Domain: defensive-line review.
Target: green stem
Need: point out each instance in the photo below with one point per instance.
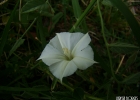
(28, 28)
(22, 36)
(79, 20)
(102, 25)
(105, 40)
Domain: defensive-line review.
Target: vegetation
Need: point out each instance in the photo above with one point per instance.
(28, 25)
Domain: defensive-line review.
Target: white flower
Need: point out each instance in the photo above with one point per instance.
(67, 52)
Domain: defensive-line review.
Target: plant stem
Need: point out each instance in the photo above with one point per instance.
(102, 25)
(105, 40)
(79, 20)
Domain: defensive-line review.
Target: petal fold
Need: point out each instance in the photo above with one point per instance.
(83, 43)
(51, 52)
(63, 69)
(69, 40)
(64, 39)
(85, 53)
(56, 44)
(83, 63)
(50, 61)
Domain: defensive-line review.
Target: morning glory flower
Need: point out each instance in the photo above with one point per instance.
(67, 52)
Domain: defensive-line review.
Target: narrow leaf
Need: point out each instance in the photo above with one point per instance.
(129, 17)
(130, 61)
(123, 47)
(6, 30)
(55, 19)
(41, 31)
(16, 45)
(54, 83)
(76, 8)
(132, 79)
(107, 3)
(32, 5)
(77, 13)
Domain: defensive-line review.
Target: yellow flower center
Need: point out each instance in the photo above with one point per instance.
(67, 54)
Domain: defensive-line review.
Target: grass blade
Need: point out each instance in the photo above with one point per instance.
(41, 32)
(129, 17)
(20, 40)
(77, 13)
(16, 45)
(32, 5)
(134, 78)
(82, 16)
(76, 8)
(122, 47)
(6, 30)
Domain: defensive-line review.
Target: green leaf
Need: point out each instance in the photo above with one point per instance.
(107, 3)
(29, 95)
(123, 47)
(90, 6)
(55, 19)
(76, 8)
(6, 30)
(54, 83)
(129, 17)
(32, 5)
(41, 32)
(16, 45)
(134, 78)
(77, 13)
(40, 5)
(131, 59)
(78, 94)
(102, 62)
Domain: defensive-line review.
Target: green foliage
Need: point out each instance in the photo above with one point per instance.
(134, 78)
(30, 25)
(123, 47)
(6, 30)
(107, 3)
(16, 45)
(129, 17)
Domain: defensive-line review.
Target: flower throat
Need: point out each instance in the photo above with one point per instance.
(67, 54)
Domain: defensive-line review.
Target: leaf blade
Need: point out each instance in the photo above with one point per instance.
(120, 47)
(129, 17)
(16, 45)
(32, 5)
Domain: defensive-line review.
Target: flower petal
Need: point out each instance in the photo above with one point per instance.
(63, 69)
(56, 44)
(51, 52)
(75, 38)
(50, 61)
(83, 63)
(69, 40)
(70, 69)
(83, 43)
(85, 53)
(64, 39)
